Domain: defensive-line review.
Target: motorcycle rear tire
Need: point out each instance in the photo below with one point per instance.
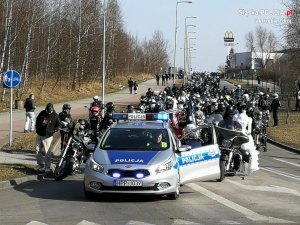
(222, 170)
(61, 172)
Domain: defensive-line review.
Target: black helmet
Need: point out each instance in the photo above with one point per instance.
(81, 121)
(110, 106)
(221, 107)
(49, 108)
(229, 110)
(66, 106)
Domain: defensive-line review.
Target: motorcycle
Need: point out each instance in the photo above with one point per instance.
(77, 151)
(233, 158)
(260, 132)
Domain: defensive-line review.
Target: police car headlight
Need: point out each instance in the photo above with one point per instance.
(165, 167)
(226, 143)
(95, 166)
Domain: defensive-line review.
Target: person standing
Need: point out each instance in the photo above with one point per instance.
(47, 123)
(135, 87)
(130, 85)
(30, 115)
(157, 78)
(163, 79)
(275, 106)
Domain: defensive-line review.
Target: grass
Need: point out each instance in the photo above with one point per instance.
(9, 172)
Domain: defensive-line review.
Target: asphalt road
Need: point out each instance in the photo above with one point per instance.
(268, 196)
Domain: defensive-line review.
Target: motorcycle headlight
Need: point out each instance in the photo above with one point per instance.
(95, 166)
(75, 146)
(226, 143)
(165, 167)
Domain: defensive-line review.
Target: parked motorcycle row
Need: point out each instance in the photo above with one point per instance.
(197, 103)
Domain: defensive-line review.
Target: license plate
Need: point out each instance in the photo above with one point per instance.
(128, 183)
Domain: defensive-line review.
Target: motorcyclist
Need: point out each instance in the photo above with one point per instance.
(97, 102)
(228, 121)
(66, 122)
(107, 120)
(130, 109)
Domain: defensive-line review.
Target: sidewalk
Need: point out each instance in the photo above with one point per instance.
(121, 98)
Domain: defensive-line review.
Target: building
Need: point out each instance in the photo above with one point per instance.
(253, 60)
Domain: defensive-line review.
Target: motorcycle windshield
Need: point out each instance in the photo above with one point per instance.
(237, 137)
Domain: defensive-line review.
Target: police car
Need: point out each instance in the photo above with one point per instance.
(140, 154)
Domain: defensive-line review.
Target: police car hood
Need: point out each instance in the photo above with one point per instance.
(146, 157)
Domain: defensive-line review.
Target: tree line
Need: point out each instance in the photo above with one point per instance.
(63, 40)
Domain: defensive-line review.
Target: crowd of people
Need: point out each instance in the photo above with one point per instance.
(199, 101)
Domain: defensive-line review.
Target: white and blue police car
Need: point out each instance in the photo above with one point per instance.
(140, 154)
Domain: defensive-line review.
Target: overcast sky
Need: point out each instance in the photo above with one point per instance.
(214, 18)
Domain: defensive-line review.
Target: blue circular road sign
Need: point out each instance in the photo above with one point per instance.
(12, 79)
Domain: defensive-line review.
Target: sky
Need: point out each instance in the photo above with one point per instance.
(214, 17)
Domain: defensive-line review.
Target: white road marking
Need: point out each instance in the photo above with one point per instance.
(85, 222)
(271, 188)
(281, 173)
(133, 222)
(36, 223)
(182, 222)
(229, 222)
(281, 160)
(246, 212)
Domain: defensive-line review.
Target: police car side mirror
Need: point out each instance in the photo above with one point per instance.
(184, 148)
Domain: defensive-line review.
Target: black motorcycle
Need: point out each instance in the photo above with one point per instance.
(233, 158)
(77, 151)
(260, 134)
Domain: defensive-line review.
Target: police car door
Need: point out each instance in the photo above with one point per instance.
(199, 164)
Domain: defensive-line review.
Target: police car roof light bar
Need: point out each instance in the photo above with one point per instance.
(142, 116)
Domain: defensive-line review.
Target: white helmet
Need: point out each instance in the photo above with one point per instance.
(275, 95)
(239, 86)
(96, 98)
(246, 97)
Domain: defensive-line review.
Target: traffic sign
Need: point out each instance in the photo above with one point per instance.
(12, 79)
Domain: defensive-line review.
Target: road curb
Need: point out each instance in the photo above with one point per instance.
(286, 147)
(8, 184)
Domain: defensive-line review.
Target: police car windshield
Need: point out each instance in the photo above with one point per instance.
(136, 139)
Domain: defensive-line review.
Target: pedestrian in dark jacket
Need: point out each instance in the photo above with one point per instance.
(47, 123)
(30, 115)
(130, 85)
(275, 106)
(135, 87)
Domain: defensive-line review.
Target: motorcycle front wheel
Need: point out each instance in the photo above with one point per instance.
(62, 171)
(222, 170)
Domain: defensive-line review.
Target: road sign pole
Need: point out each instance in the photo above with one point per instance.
(11, 80)
(11, 105)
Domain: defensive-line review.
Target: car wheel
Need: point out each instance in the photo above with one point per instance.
(175, 195)
(222, 170)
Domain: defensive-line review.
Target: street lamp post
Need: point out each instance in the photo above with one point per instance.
(186, 46)
(103, 56)
(174, 63)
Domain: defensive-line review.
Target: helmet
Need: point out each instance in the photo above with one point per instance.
(246, 97)
(81, 121)
(229, 110)
(49, 108)
(110, 106)
(275, 95)
(239, 86)
(221, 107)
(130, 108)
(96, 98)
(66, 106)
